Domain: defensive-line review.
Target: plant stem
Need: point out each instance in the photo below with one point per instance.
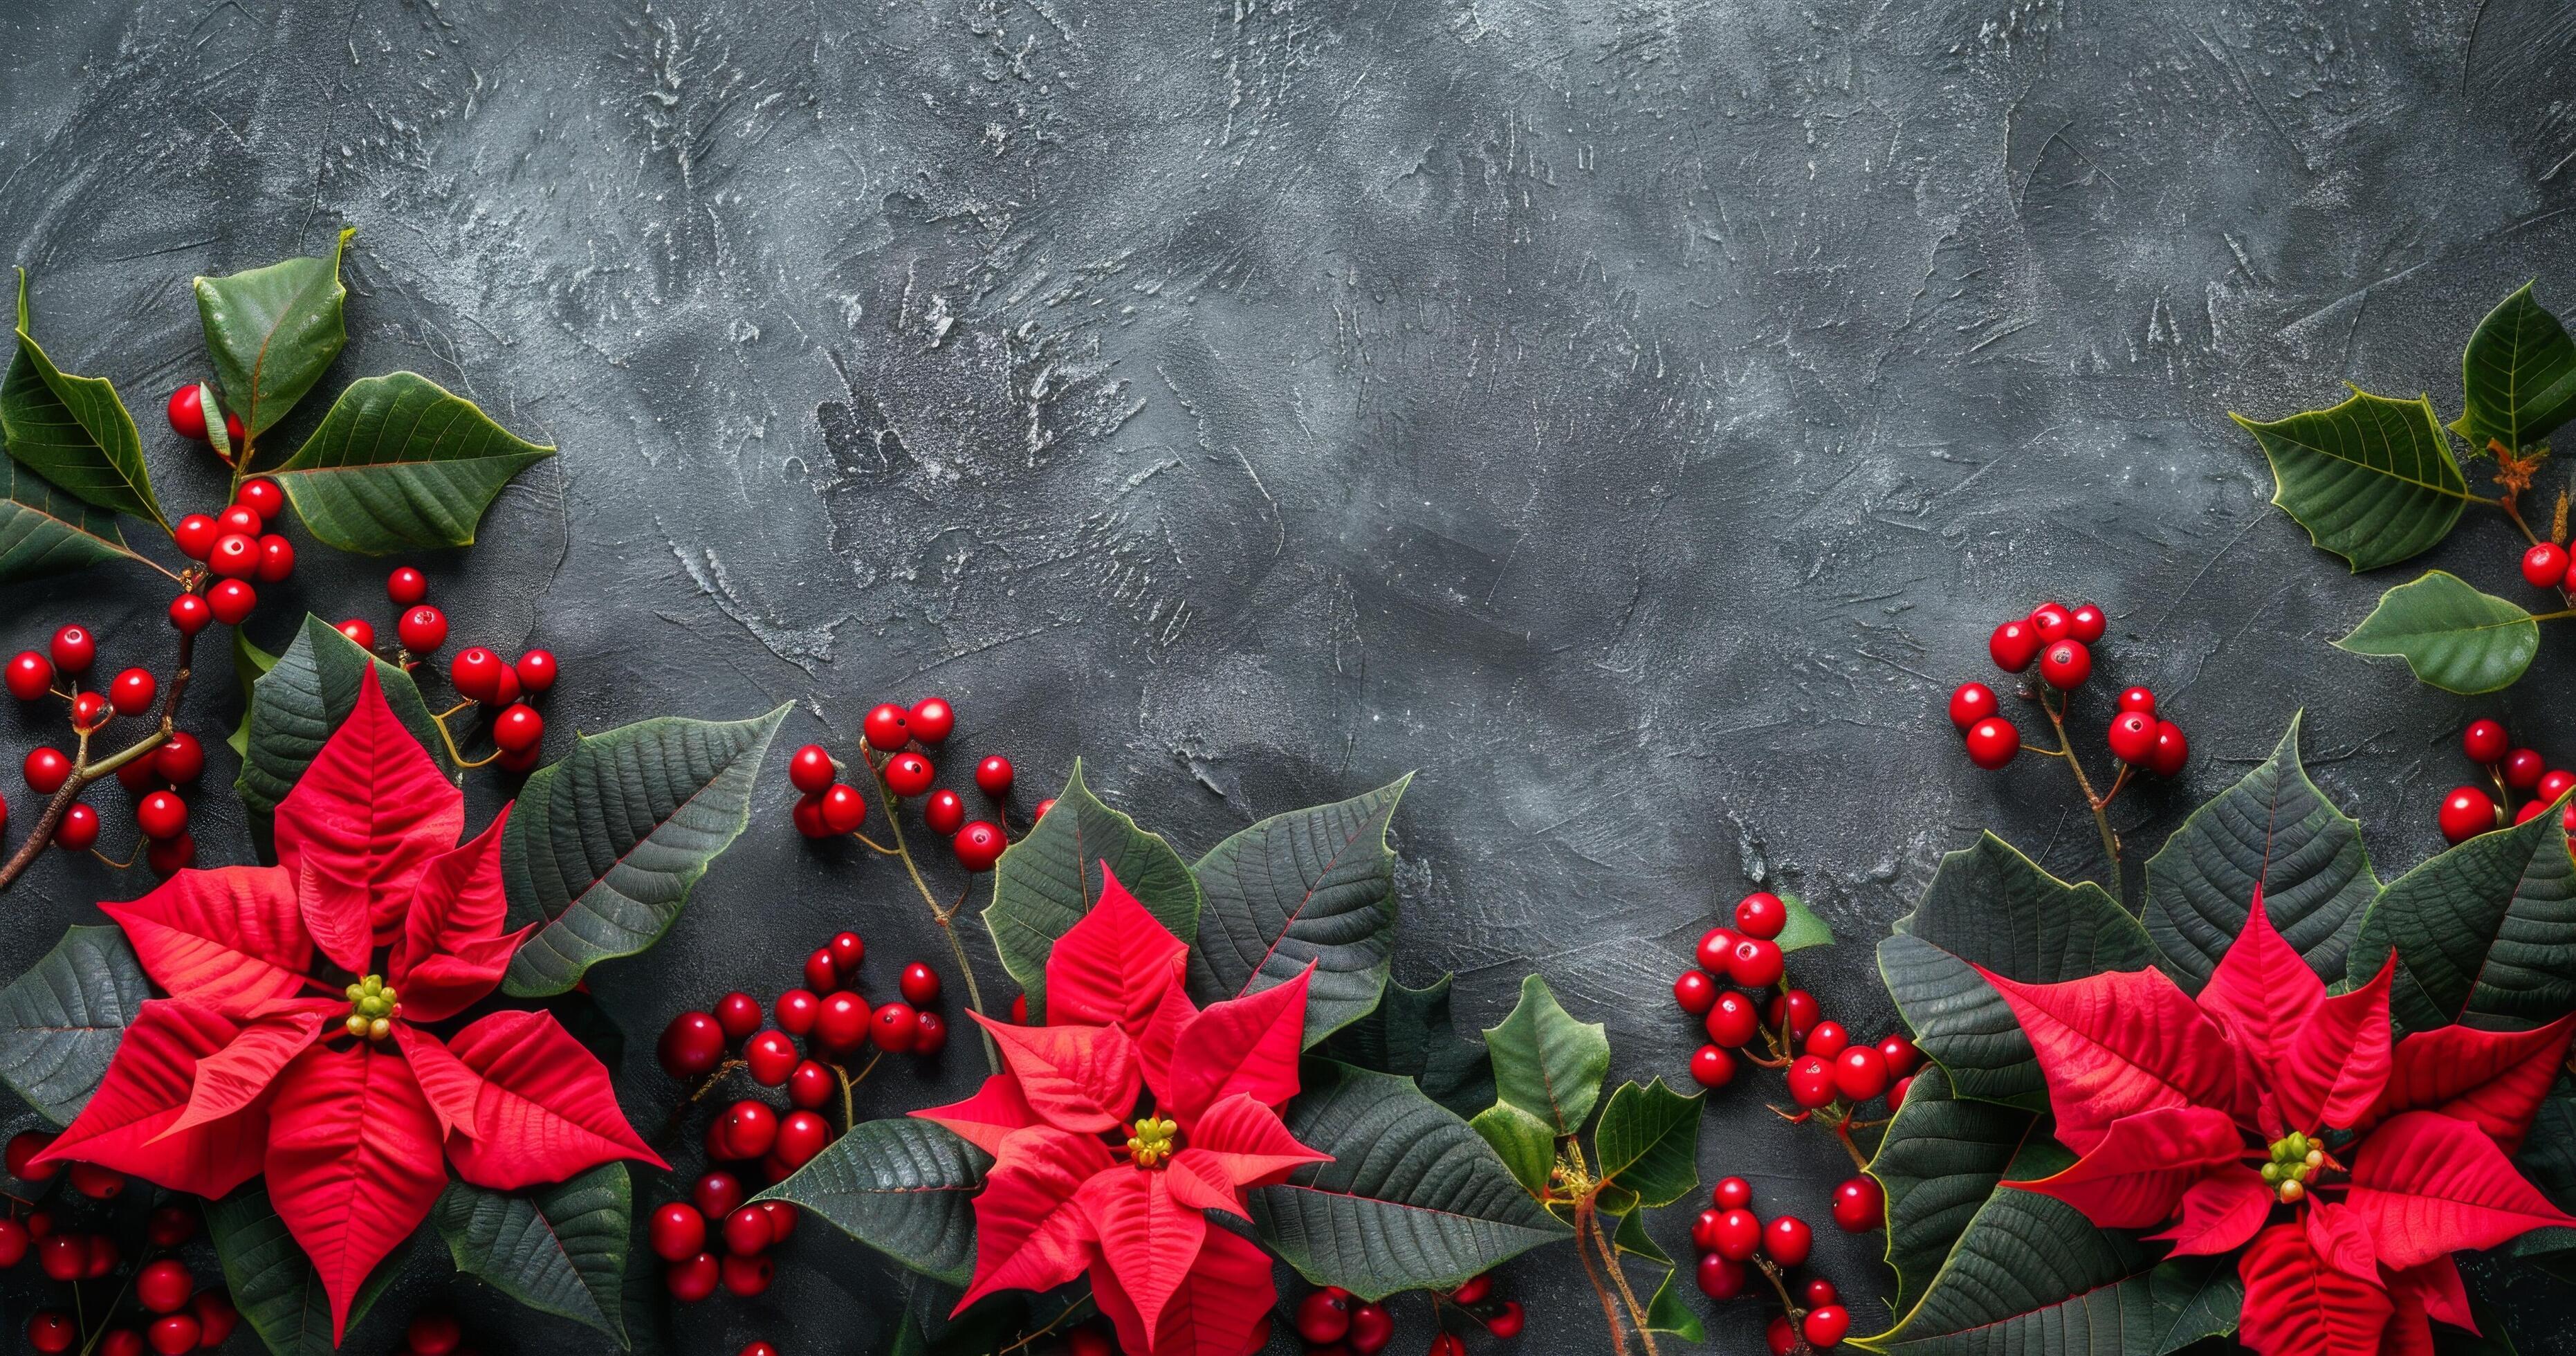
(84, 771)
(1636, 1311)
(1583, 1226)
(1788, 1307)
(944, 916)
(2099, 805)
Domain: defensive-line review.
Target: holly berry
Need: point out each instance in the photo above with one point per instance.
(74, 649)
(1714, 944)
(1901, 1055)
(433, 1334)
(1711, 1067)
(261, 495)
(63, 1257)
(932, 719)
(231, 600)
(931, 1036)
(1860, 1073)
(276, 559)
(31, 675)
(1731, 1021)
(1719, 1276)
(809, 1085)
(677, 1231)
(2522, 769)
(2484, 741)
(692, 1280)
(89, 711)
(161, 816)
(1788, 1240)
(1820, 1291)
(920, 985)
(849, 950)
(2137, 699)
(794, 1011)
(888, 727)
(1992, 743)
(1896, 1094)
(747, 1231)
(1738, 1235)
(801, 1135)
(14, 1242)
(1695, 992)
(2087, 623)
(808, 816)
(131, 692)
(1324, 1316)
(537, 671)
(745, 1277)
(475, 672)
(1761, 914)
(78, 830)
(2466, 813)
(908, 774)
(215, 1317)
(1507, 1324)
(235, 556)
(2013, 645)
(1039, 812)
(747, 1129)
(692, 1045)
(2544, 566)
(1811, 1081)
(2172, 749)
(406, 586)
(422, 629)
(164, 1286)
(1371, 1328)
(2133, 737)
(809, 769)
(2065, 665)
(993, 775)
(1826, 1325)
(843, 1024)
(782, 1219)
(894, 1027)
(519, 728)
(1973, 702)
(1754, 963)
(1859, 1205)
(21, 1156)
(717, 1194)
(979, 845)
(1795, 1012)
(171, 856)
(1475, 1290)
(2554, 784)
(944, 812)
(772, 1056)
(1731, 1193)
(1827, 1040)
(822, 971)
(97, 1183)
(2050, 622)
(51, 1331)
(844, 809)
(187, 411)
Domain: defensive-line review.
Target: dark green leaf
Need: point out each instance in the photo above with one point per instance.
(1630, 1237)
(1939, 1160)
(1313, 886)
(271, 331)
(1048, 880)
(303, 697)
(1666, 1312)
(61, 1020)
(1410, 1034)
(249, 663)
(558, 1249)
(1804, 928)
(2548, 1160)
(904, 1187)
(45, 532)
(273, 1283)
(604, 845)
(1413, 1199)
(1647, 1144)
(643, 1301)
(1545, 1062)
(2273, 831)
(2451, 635)
(2485, 933)
(401, 463)
(72, 430)
(2371, 479)
(2517, 376)
(1524, 1142)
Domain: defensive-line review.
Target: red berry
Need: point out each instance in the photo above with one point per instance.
(745, 1277)
(231, 600)
(920, 985)
(1827, 1040)
(782, 1219)
(692, 1045)
(822, 971)
(1896, 1094)
(138, 777)
(97, 1183)
(2066, 665)
(74, 649)
(993, 775)
(1860, 1073)
(746, 1231)
(2086, 623)
(748, 1128)
(63, 1256)
(475, 673)
(808, 815)
(1720, 1277)
(809, 1085)
(51, 1331)
(978, 846)
(1761, 914)
(1738, 1235)
(809, 769)
(843, 1024)
(537, 671)
(932, 719)
(1731, 1193)
(2484, 741)
(433, 1334)
(2137, 699)
(14, 1242)
(1973, 702)
(23, 1148)
(1704, 1229)
(1711, 1067)
(1474, 1291)
(406, 586)
(2522, 769)
(2051, 622)
(888, 727)
(893, 1027)
(164, 1286)
(2133, 737)
(131, 692)
(738, 1013)
(692, 1280)
(677, 1231)
(510, 691)
(2554, 784)
(422, 629)
(772, 1056)
(1019, 1009)
(2466, 813)
(261, 495)
(908, 774)
(102, 1257)
(31, 675)
(1811, 1081)
(1507, 1324)
(161, 816)
(931, 1036)
(2544, 566)
(794, 1011)
(1992, 743)
(1754, 963)
(1859, 1205)
(849, 951)
(189, 614)
(1826, 1325)
(1821, 1291)
(717, 1194)
(844, 809)
(195, 536)
(1324, 1316)
(1731, 1020)
(1798, 1008)
(276, 559)
(1447, 1344)
(78, 830)
(187, 411)
(1371, 1328)
(2013, 645)
(944, 812)
(215, 1317)
(1042, 807)
(235, 556)
(1788, 1240)
(1714, 945)
(1695, 992)
(239, 521)
(519, 728)
(1901, 1055)
(2172, 749)
(89, 711)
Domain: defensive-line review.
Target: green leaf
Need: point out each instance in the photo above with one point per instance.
(271, 331)
(2273, 831)
(1545, 1062)
(1313, 886)
(558, 1249)
(45, 532)
(1412, 1200)
(2371, 479)
(273, 1283)
(72, 430)
(1666, 1312)
(2485, 933)
(2517, 376)
(1992, 906)
(400, 463)
(1647, 1144)
(1804, 928)
(605, 844)
(60, 1021)
(1048, 880)
(249, 663)
(2548, 1160)
(1630, 1237)
(1524, 1142)
(1939, 1161)
(2451, 635)
(303, 697)
(1410, 1034)
(904, 1187)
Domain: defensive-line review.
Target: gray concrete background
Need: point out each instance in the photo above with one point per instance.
(1632, 415)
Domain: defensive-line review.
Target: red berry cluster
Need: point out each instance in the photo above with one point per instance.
(2515, 773)
(478, 673)
(150, 778)
(898, 740)
(2060, 641)
(238, 550)
(1334, 1322)
(434, 1334)
(1733, 1242)
(176, 1316)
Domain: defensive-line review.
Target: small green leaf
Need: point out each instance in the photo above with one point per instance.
(303, 697)
(1648, 1142)
(1939, 1160)
(1666, 1312)
(45, 532)
(2371, 479)
(1048, 880)
(558, 1249)
(1523, 1141)
(1545, 1062)
(249, 663)
(1410, 1034)
(72, 430)
(1631, 1238)
(271, 331)
(273, 1283)
(2451, 635)
(904, 1187)
(60, 1021)
(2485, 933)
(401, 463)
(1804, 928)
(1310, 887)
(2517, 376)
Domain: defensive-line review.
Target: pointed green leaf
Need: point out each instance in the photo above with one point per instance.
(1939, 1161)
(303, 697)
(2484, 934)
(1313, 886)
(273, 1283)
(45, 532)
(2517, 376)
(1545, 1062)
(61, 1020)
(1412, 1200)
(1804, 928)
(249, 663)
(1048, 880)
(904, 1187)
(1631, 1238)
(400, 463)
(1667, 1312)
(1524, 1142)
(1410, 1034)
(2371, 479)
(72, 430)
(603, 846)
(271, 331)
(1647, 1144)
(2547, 1160)
(2451, 635)
(558, 1249)
(2273, 831)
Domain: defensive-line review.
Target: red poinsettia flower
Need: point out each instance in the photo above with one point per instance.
(332, 1087)
(1085, 1178)
(2273, 1115)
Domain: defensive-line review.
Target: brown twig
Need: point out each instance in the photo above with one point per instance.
(944, 916)
(85, 772)
(1636, 1311)
(2097, 804)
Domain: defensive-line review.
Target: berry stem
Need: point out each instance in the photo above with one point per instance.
(872, 844)
(1583, 1228)
(943, 916)
(2097, 804)
(1842, 1131)
(84, 771)
(1619, 1274)
(1062, 1317)
(1797, 1316)
(440, 720)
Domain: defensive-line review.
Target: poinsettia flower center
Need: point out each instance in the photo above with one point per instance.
(1153, 1140)
(373, 1005)
(2297, 1160)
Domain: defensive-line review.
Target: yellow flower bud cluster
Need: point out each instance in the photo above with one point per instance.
(2295, 1159)
(373, 1005)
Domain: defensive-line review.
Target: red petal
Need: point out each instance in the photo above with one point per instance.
(984, 1119)
(2297, 1305)
(452, 951)
(2219, 1213)
(2113, 1045)
(2262, 992)
(447, 983)
(1249, 1142)
(1028, 1235)
(145, 1090)
(2429, 1185)
(2337, 1061)
(1078, 1078)
(2494, 1080)
(353, 1162)
(1113, 967)
(2338, 1235)
(2436, 1286)
(1171, 1016)
(453, 1090)
(546, 1110)
(230, 937)
(1147, 1239)
(1247, 1045)
(1217, 1310)
(2135, 1178)
(366, 816)
(2409, 1333)
(243, 1071)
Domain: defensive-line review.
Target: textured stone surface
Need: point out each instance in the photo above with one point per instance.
(1633, 416)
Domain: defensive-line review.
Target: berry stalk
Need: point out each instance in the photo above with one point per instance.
(2100, 805)
(944, 915)
(85, 772)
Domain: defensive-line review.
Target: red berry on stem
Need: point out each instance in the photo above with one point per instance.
(51, 1331)
(794, 1011)
(537, 671)
(2522, 769)
(406, 586)
(475, 672)
(2133, 738)
(78, 830)
(1713, 946)
(1896, 1094)
(2544, 566)
(89, 711)
(519, 728)
(1711, 1067)
(1826, 1325)
(691, 1045)
(893, 1027)
(887, 727)
(1811, 1081)
(195, 535)
(2137, 699)
(74, 649)
(822, 971)
(809, 769)
(2051, 622)
(1788, 1240)
(842, 1026)
(1901, 1055)
(844, 809)
(745, 1277)
(1820, 1291)
(1731, 1021)
(808, 816)
(164, 1286)
(944, 812)
(1704, 1229)
(1324, 1316)
(1371, 1328)
(97, 1183)
(1754, 963)
(422, 629)
(1796, 1012)
(231, 600)
(1973, 702)
(747, 1129)
(1826, 1040)
(809, 1085)
(1859, 1205)
(849, 951)
(908, 774)
(1507, 1324)
(932, 719)
(2087, 623)
(1695, 992)
(931, 1036)
(2484, 741)
(2013, 645)
(978, 846)
(920, 985)
(2065, 665)
(782, 1219)
(2466, 813)
(31, 675)
(2172, 750)
(2553, 784)
(1992, 743)
(261, 495)
(1761, 914)
(1731, 1193)
(131, 692)
(747, 1231)
(63, 1256)
(276, 559)
(215, 1317)
(189, 614)
(677, 1231)
(187, 411)
(1042, 807)
(717, 1194)
(771, 1055)
(1738, 1235)
(22, 1151)
(692, 1280)
(161, 816)
(1719, 1276)
(993, 775)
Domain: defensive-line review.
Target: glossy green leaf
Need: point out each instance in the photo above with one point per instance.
(904, 1187)
(250, 663)
(604, 845)
(2371, 479)
(45, 532)
(1667, 1312)
(1939, 1161)
(558, 1249)
(1804, 929)
(2485, 933)
(1647, 1145)
(1524, 1142)
(271, 331)
(1630, 1237)
(273, 1283)
(1545, 1062)
(2451, 635)
(1310, 887)
(72, 430)
(303, 697)
(1411, 1034)
(60, 1021)
(401, 463)
(2517, 376)
(2273, 831)
(1049, 879)
(1413, 1199)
